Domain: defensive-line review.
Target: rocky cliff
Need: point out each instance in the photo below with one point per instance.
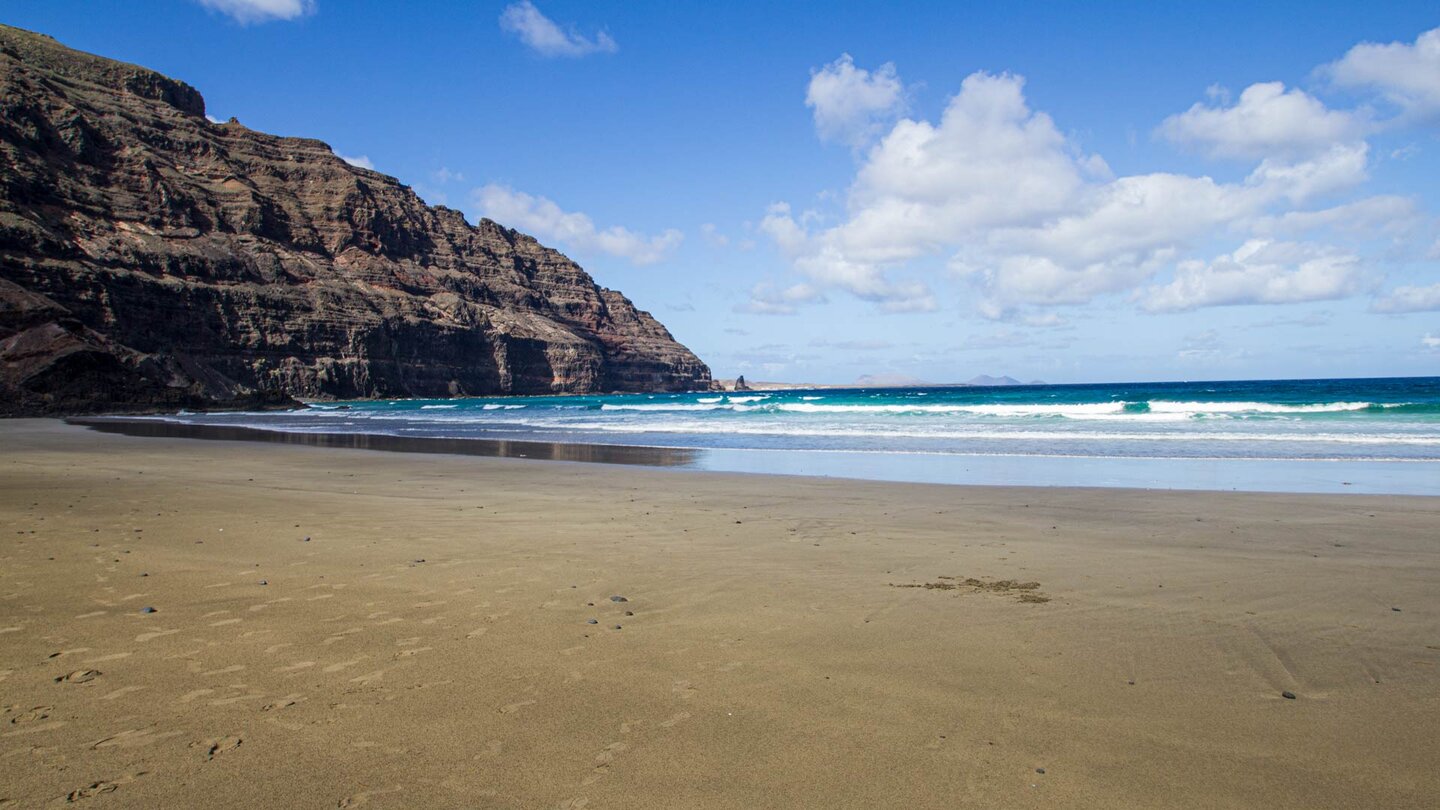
(150, 258)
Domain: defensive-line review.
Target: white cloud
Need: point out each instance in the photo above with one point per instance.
(363, 161)
(1030, 218)
(547, 38)
(712, 236)
(1409, 299)
(1259, 272)
(1384, 214)
(850, 104)
(1430, 341)
(768, 299)
(247, 12)
(1408, 75)
(444, 176)
(1267, 120)
(547, 221)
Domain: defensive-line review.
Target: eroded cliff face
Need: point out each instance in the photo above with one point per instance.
(150, 258)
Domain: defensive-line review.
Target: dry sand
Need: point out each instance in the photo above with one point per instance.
(429, 646)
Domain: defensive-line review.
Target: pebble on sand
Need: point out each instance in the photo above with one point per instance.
(618, 599)
(147, 609)
(616, 627)
(592, 621)
(1288, 695)
(264, 582)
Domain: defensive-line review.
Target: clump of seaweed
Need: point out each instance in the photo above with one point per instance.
(1028, 592)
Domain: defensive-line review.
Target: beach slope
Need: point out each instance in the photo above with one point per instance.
(206, 624)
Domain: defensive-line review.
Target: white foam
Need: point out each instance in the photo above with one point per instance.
(1162, 406)
(438, 407)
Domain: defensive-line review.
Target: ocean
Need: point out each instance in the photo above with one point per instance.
(1368, 435)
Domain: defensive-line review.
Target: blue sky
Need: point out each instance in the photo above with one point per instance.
(1065, 191)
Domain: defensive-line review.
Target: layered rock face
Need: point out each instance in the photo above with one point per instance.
(152, 259)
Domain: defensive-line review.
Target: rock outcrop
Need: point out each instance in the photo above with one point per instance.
(150, 258)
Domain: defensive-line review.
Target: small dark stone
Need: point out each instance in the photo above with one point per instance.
(618, 599)
(617, 627)
(264, 582)
(1039, 770)
(306, 540)
(629, 613)
(592, 621)
(147, 610)
(589, 604)
(1397, 610)
(1288, 695)
(1132, 683)
(144, 573)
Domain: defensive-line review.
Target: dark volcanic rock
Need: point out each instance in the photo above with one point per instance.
(152, 259)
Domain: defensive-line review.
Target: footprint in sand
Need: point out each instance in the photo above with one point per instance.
(29, 715)
(602, 762)
(573, 804)
(219, 746)
(283, 703)
(79, 676)
(191, 695)
(100, 788)
(675, 720)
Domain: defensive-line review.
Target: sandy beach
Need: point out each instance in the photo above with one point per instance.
(344, 628)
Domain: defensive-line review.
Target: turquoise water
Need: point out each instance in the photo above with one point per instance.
(1340, 427)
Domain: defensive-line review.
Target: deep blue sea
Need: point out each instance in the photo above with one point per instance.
(1375, 435)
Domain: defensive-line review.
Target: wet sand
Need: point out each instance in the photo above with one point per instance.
(428, 645)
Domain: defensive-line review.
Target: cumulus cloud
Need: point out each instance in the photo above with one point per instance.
(1408, 75)
(247, 12)
(1267, 120)
(547, 221)
(1409, 299)
(546, 38)
(851, 104)
(1259, 272)
(768, 299)
(363, 161)
(1029, 217)
(1431, 342)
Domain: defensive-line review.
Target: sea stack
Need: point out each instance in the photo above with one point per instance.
(151, 258)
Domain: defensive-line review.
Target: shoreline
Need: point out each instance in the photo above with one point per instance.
(413, 630)
(1151, 474)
